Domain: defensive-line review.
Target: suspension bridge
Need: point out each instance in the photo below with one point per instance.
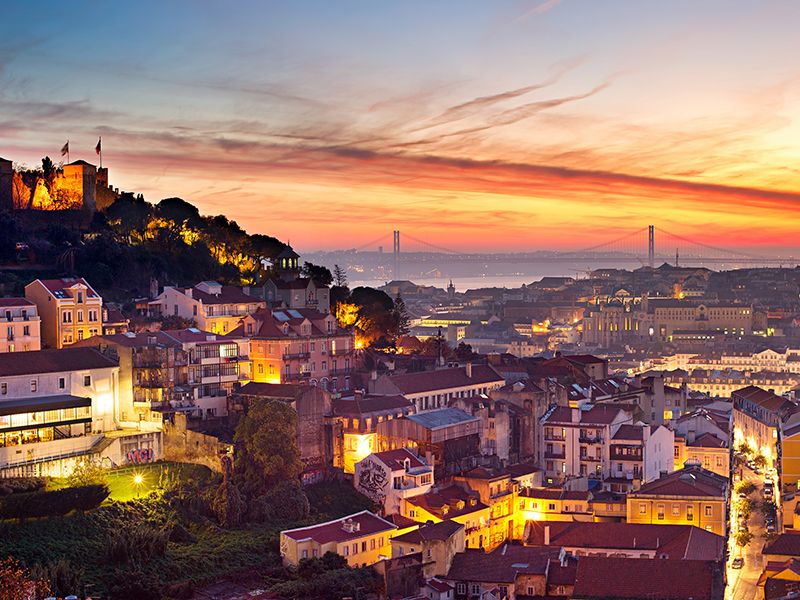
(649, 246)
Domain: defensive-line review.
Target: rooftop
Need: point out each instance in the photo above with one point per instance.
(53, 361)
(689, 481)
(502, 565)
(430, 531)
(786, 543)
(441, 418)
(365, 523)
(428, 381)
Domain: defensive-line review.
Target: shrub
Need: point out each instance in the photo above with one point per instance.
(21, 485)
(745, 487)
(136, 543)
(63, 577)
(51, 504)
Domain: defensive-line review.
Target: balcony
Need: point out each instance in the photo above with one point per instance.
(297, 376)
(296, 355)
(340, 372)
(590, 439)
(556, 437)
(591, 458)
(341, 351)
(557, 455)
(616, 455)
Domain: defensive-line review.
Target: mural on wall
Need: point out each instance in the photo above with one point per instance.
(372, 480)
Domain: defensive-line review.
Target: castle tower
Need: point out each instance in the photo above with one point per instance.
(80, 178)
(6, 184)
(451, 291)
(286, 264)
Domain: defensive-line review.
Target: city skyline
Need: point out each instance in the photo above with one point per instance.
(511, 127)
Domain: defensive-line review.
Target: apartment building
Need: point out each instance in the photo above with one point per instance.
(69, 308)
(56, 407)
(690, 496)
(298, 346)
(706, 449)
(20, 326)
(452, 503)
(391, 476)
(212, 306)
(430, 390)
(757, 418)
(638, 454)
(361, 538)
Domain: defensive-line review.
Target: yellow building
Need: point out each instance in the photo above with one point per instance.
(707, 449)
(454, 504)
(790, 456)
(498, 491)
(552, 504)
(70, 310)
(690, 496)
(757, 417)
(362, 538)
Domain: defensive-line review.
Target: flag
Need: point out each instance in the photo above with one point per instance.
(65, 149)
(98, 149)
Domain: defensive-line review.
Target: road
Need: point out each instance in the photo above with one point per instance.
(742, 582)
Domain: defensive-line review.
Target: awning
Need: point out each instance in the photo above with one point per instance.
(18, 406)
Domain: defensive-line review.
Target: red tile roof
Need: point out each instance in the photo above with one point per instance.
(787, 544)
(763, 398)
(53, 361)
(430, 531)
(708, 440)
(333, 531)
(229, 294)
(429, 381)
(636, 578)
(9, 302)
(395, 459)
(271, 390)
(674, 541)
(689, 481)
(500, 566)
(600, 414)
(54, 286)
(435, 501)
(629, 432)
(371, 403)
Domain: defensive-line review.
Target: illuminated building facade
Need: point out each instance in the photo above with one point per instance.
(69, 308)
(360, 415)
(390, 476)
(362, 539)
(757, 418)
(20, 326)
(298, 346)
(213, 307)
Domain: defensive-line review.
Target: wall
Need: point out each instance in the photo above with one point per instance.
(184, 445)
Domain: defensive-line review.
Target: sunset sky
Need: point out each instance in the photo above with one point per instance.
(474, 125)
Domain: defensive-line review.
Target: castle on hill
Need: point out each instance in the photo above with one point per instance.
(78, 185)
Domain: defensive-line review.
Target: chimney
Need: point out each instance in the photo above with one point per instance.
(373, 374)
(358, 395)
(547, 535)
(188, 292)
(469, 370)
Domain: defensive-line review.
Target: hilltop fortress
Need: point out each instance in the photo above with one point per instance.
(78, 185)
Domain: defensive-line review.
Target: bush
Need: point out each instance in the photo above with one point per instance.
(51, 504)
(745, 487)
(136, 543)
(743, 537)
(21, 485)
(63, 577)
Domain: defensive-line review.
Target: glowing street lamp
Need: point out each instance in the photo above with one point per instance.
(137, 482)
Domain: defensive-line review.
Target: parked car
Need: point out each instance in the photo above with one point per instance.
(771, 528)
(737, 563)
(768, 492)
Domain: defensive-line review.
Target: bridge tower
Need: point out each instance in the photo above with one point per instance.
(651, 246)
(396, 253)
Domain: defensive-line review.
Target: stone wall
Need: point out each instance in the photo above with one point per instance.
(182, 444)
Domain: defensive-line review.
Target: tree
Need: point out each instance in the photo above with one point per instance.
(401, 318)
(86, 473)
(760, 461)
(745, 488)
(321, 276)
(743, 537)
(266, 444)
(339, 276)
(16, 582)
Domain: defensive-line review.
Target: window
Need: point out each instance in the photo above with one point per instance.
(676, 509)
(26, 330)
(364, 546)
(355, 548)
(87, 380)
(34, 385)
(372, 544)
(260, 368)
(461, 588)
(3, 389)
(551, 506)
(476, 589)
(689, 512)
(660, 511)
(305, 553)
(708, 510)
(80, 316)
(642, 508)
(66, 317)
(61, 383)
(719, 461)
(346, 550)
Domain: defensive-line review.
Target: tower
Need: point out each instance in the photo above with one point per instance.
(396, 253)
(451, 291)
(651, 245)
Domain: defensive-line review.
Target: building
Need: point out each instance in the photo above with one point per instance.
(448, 439)
(552, 504)
(638, 454)
(298, 346)
(316, 431)
(599, 578)
(6, 184)
(498, 490)
(452, 503)
(627, 540)
(21, 326)
(707, 450)
(361, 538)
(722, 383)
(511, 571)
(69, 308)
(61, 406)
(757, 418)
(437, 543)
(388, 477)
(297, 293)
(430, 390)
(359, 416)
(212, 306)
(690, 496)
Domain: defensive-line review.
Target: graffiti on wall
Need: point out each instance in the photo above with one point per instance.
(372, 481)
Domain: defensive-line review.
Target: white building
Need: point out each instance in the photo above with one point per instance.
(391, 476)
(21, 326)
(56, 407)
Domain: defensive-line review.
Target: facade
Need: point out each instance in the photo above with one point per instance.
(757, 418)
(61, 406)
(691, 496)
(301, 292)
(359, 416)
(361, 538)
(437, 543)
(388, 477)
(213, 307)
(707, 450)
(298, 346)
(552, 504)
(430, 390)
(452, 503)
(21, 326)
(724, 382)
(638, 454)
(69, 308)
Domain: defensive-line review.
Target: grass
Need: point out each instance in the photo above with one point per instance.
(123, 484)
(207, 554)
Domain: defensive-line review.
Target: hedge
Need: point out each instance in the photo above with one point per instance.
(51, 504)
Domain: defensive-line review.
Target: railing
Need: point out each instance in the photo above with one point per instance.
(341, 351)
(297, 376)
(291, 355)
(338, 372)
(591, 458)
(620, 456)
(590, 439)
(556, 437)
(554, 455)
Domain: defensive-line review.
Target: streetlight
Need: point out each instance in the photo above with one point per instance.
(137, 482)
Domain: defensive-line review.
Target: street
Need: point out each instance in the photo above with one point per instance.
(742, 582)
